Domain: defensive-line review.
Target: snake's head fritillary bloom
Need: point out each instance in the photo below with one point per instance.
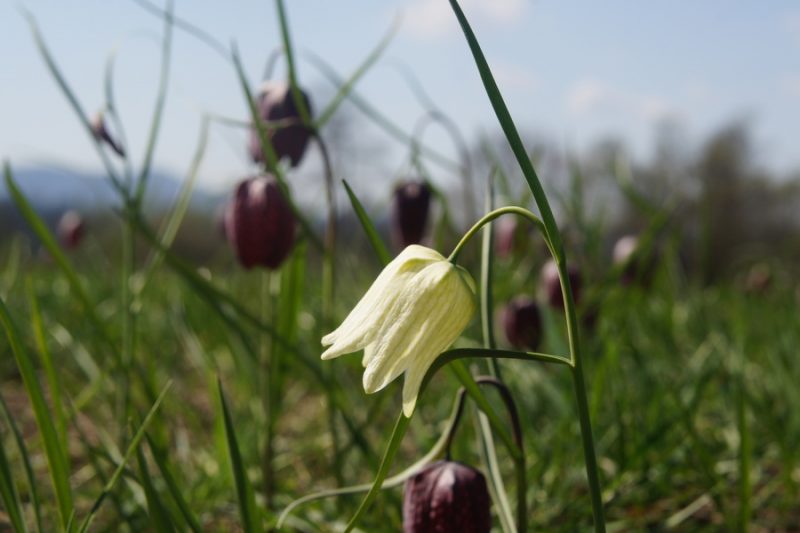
(522, 322)
(100, 132)
(276, 103)
(410, 208)
(259, 223)
(447, 496)
(550, 284)
(70, 229)
(418, 305)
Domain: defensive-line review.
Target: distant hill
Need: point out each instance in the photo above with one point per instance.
(52, 191)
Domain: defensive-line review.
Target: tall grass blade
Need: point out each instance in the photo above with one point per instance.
(9, 493)
(509, 129)
(244, 490)
(377, 117)
(73, 102)
(347, 86)
(48, 241)
(26, 463)
(369, 228)
(134, 444)
(158, 110)
(391, 450)
(160, 458)
(46, 359)
(159, 515)
(54, 448)
(436, 451)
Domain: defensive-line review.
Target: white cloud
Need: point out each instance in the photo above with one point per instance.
(791, 23)
(434, 18)
(592, 96)
(589, 95)
(511, 76)
(791, 85)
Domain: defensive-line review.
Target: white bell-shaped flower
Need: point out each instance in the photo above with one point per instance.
(419, 304)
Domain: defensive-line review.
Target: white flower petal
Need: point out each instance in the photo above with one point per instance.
(408, 332)
(415, 309)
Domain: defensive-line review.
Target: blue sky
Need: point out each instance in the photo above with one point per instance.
(574, 71)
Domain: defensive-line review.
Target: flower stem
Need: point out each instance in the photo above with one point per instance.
(491, 216)
(579, 384)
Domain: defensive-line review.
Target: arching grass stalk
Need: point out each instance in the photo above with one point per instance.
(575, 359)
(553, 240)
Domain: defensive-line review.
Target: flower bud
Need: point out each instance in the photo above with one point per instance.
(446, 496)
(70, 229)
(100, 133)
(550, 284)
(758, 279)
(636, 269)
(511, 237)
(522, 323)
(276, 103)
(259, 223)
(410, 207)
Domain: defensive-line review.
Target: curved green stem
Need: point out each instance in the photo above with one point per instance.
(493, 215)
(554, 242)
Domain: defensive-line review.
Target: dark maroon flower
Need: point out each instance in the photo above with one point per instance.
(275, 103)
(70, 229)
(550, 284)
(522, 323)
(410, 206)
(259, 223)
(100, 133)
(446, 496)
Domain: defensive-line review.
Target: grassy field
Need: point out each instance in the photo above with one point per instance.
(142, 392)
(692, 393)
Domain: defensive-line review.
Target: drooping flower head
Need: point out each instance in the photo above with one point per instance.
(276, 103)
(70, 229)
(414, 310)
(637, 268)
(410, 207)
(447, 496)
(522, 323)
(259, 223)
(550, 284)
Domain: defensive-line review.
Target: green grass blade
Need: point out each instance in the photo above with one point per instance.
(73, 102)
(482, 402)
(158, 110)
(377, 117)
(269, 152)
(48, 241)
(159, 516)
(369, 228)
(46, 359)
(244, 490)
(391, 450)
(347, 86)
(179, 210)
(160, 458)
(496, 486)
(134, 443)
(509, 129)
(54, 448)
(9, 493)
(436, 451)
(286, 39)
(26, 463)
